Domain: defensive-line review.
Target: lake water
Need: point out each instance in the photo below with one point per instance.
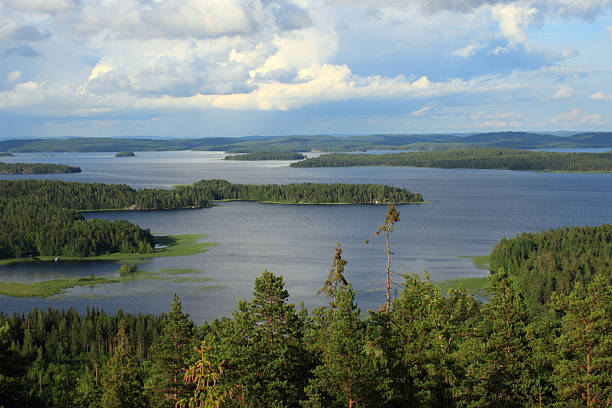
(468, 212)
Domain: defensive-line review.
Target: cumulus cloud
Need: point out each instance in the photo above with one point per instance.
(42, 6)
(576, 117)
(11, 32)
(514, 20)
(600, 96)
(13, 76)
(564, 92)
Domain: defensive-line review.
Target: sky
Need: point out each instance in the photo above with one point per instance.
(216, 68)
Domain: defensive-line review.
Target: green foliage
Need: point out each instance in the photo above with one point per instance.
(336, 275)
(125, 154)
(552, 261)
(122, 377)
(349, 371)
(265, 359)
(583, 374)
(267, 156)
(505, 159)
(205, 377)
(50, 287)
(173, 350)
(37, 168)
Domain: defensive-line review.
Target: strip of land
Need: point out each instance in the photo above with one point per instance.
(499, 159)
(36, 168)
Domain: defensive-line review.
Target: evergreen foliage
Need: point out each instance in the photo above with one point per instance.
(267, 156)
(37, 168)
(489, 158)
(552, 261)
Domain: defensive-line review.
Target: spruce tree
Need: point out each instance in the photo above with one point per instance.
(122, 378)
(171, 352)
(348, 374)
(583, 374)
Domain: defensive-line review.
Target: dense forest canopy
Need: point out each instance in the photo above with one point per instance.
(125, 154)
(37, 168)
(555, 260)
(267, 156)
(471, 159)
(320, 143)
(428, 350)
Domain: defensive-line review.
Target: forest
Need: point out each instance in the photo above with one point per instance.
(489, 158)
(41, 217)
(554, 261)
(319, 143)
(125, 154)
(37, 168)
(429, 349)
(267, 156)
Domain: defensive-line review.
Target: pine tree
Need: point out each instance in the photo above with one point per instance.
(348, 374)
(265, 361)
(205, 377)
(171, 352)
(336, 275)
(499, 368)
(583, 374)
(122, 378)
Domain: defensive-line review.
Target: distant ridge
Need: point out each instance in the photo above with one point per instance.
(324, 143)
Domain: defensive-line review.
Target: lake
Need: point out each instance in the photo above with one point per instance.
(468, 212)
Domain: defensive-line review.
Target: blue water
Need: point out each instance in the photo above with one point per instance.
(468, 212)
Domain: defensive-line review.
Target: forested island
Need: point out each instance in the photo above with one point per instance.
(125, 154)
(427, 350)
(6, 154)
(506, 159)
(41, 217)
(318, 143)
(36, 168)
(267, 156)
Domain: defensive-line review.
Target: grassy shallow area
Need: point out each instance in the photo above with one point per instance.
(166, 246)
(50, 287)
(479, 261)
(476, 286)
(54, 287)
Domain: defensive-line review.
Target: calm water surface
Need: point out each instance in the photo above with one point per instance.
(468, 212)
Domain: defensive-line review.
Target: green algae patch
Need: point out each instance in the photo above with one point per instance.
(479, 261)
(49, 288)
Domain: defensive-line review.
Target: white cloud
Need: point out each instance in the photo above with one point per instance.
(576, 117)
(424, 111)
(514, 19)
(13, 76)
(468, 50)
(564, 92)
(600, 96)
(43, 6)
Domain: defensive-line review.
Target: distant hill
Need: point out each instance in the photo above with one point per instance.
(323, 143)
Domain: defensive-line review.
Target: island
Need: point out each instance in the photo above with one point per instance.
(125, 154)
(6, 154)
(267, 156)
(486, 158)
(43, 217)
(36, 168)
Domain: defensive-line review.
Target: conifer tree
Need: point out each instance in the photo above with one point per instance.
(171, 352)
(205, 377)
(385, 228)
(348, 374)
(583, 374)
(265, 359)
(336, 275)
(122, 378)
(499, 370)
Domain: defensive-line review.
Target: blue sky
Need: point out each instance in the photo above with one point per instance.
(200, 68)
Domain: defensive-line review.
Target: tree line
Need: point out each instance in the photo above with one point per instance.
(36, 168)
(41, 217)
(267, 156)
(426, 350)
(489, 158)
(553, 261)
